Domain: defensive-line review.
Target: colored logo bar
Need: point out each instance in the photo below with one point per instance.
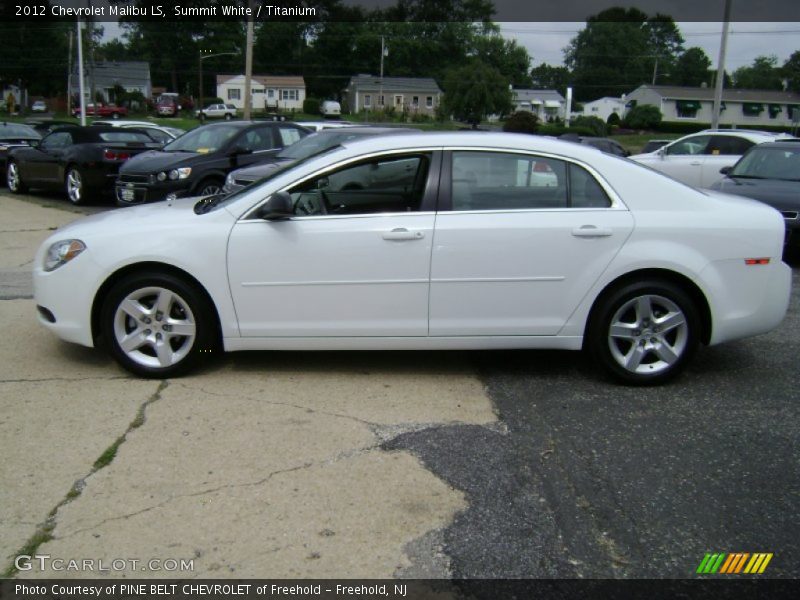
(734, 563)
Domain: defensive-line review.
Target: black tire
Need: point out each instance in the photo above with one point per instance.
(646, 348)
(75, 186)
(16, 186)
(187, 307)
(208, 187)
(115, 115)
(228, 116)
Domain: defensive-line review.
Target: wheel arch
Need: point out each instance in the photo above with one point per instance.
(148, 267)
(686, 284)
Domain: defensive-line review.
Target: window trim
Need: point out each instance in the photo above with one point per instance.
(445, 202)
(428, 205)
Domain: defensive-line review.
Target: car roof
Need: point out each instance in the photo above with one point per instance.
(750, 134)
(791, 143)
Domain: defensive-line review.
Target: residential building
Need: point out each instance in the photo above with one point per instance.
(604, 107)
(545, 104)
(739, 107)
(268, 92)
(408, 94)
(104, 76)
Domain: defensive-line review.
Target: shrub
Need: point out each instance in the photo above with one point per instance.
(521, 121)
(613, 119)
(311, 106)
(593, 124)
(645, 116)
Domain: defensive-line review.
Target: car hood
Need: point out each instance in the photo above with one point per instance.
(154, 161)
(260, 170)
(783, 195)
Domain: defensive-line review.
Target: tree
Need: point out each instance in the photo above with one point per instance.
(506, 56)
(475, 91)
(548, 77)
(521, 121)
(791, 71)
(618, 50)
(763, 74)
(644, 116)
(692, 68)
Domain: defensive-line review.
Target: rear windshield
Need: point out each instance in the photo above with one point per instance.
(124, 136)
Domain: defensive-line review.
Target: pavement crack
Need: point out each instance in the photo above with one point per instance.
(44, 530)
(64, 379)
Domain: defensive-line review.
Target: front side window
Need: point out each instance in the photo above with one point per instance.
(693, 145)
(499, 181)
(387, 184)
(60, 139)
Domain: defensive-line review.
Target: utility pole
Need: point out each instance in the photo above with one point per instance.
(384, 52)
(720, 78)
(69, 77)
(655, 71)
(248, 65)
(80, 75)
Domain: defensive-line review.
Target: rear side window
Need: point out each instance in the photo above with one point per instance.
(289, 135)
(728, 145)
(124, 136)
(499, 181)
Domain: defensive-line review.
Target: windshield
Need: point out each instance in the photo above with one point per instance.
(17, 130)
(769, 163)
(316, 143)
(203, 139)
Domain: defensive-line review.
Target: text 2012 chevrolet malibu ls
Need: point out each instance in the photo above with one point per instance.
(425, 241)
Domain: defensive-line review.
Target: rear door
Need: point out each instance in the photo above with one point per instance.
(526, 237)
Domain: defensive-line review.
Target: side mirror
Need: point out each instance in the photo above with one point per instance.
(278, 207)
(34, 143)
(726, 170)
(662, 152)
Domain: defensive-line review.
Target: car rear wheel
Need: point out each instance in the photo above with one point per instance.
(156, 325)
(645, 332)
(115, 115)
(75, 186)
(14, 180)
(209, 187)
(228, 116)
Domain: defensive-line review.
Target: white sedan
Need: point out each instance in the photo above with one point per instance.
(466, 249)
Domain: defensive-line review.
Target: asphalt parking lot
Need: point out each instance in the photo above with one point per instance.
(437, 464)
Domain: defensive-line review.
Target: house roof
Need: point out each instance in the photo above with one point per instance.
(542, 95)
(394, 84)
(729, 95)
(278, 81)
(607, 99)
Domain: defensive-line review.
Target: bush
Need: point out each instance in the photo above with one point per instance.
(311, 106)
(644, 116)
(593, 124)
(521, 121)
(557, 130)
(613, 120)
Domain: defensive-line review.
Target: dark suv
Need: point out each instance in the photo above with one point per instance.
(196, 163)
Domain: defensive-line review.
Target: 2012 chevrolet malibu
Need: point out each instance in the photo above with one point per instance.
(448, 241)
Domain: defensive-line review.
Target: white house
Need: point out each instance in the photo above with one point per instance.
(604, 107)
(270, 92)
(545, 104)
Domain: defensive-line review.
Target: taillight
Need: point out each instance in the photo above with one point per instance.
(756, 261)
(112, 155)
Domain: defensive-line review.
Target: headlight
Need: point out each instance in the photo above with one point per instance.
(181, 173)
(161, 176)
(61, 253)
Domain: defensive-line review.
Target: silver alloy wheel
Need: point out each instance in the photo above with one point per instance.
(648, 334)
(12, 176)
(154, 327)
(74, 186)
(210, 189)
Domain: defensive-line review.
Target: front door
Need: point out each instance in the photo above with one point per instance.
(353, 261)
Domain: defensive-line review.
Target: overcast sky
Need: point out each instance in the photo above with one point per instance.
(545, 41)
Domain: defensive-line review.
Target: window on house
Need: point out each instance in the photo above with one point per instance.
(382, 101)
(270, 94)
(398, 101)
(687, 109)
(367, 100)
(415, 101)
(234, 94)
(288, 94)
(595, 109)
(429, 102)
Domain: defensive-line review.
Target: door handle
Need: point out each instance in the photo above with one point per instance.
(401, 233)
(696, 163)
(590, 231)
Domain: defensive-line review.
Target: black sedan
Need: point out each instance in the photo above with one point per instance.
(197, 163)
(14, 135)
(83, 161)
(770, 173)
(314, 144)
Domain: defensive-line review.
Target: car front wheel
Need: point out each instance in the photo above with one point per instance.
(75, 186)
(645, 333)
(13, 179)
(156, 325)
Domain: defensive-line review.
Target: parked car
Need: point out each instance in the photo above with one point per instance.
(14, 135)
(167, 105)
(653, 145)
(102, 110)
(638, 279)
(159, 133)
(769, 173)
(45, 126)
(320, 125)
(696, 159)
(197, 162)
(316, 143)
(330, 108)
(216, 111)
(39, 106)
(83, 161)
(603, 144)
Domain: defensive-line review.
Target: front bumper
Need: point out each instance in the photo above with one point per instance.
(142, 189)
